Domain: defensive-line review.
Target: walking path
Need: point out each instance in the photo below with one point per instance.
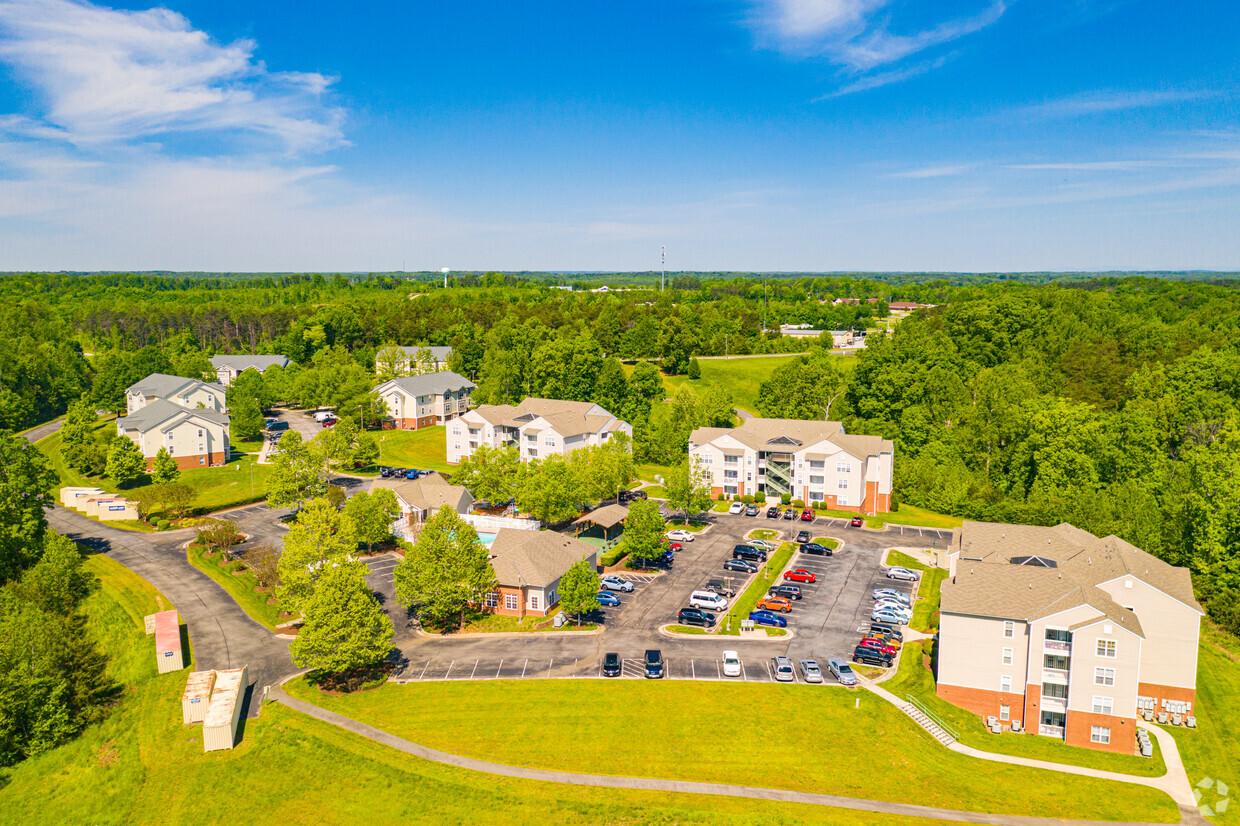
(679, 786)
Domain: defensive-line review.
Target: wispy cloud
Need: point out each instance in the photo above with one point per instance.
(878, 79)
(1090, 103)
(106, 75)
(1090, 166)
(932, 172)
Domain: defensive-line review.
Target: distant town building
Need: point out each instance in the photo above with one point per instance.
(423, 358)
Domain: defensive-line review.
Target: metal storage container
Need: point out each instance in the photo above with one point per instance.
(197, 696)
(219, 729)
(168, 654)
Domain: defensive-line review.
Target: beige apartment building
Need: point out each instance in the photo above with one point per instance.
(227, 368)
(188, 393)
(537, 427)
(1058, 632)
(809, 460)
(187, 417)
(426, 400)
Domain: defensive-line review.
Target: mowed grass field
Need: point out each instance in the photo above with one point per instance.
(654, 729)
(740, 376)
(140, 765)
(424, 449)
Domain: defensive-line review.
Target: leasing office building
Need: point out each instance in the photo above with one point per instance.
(1065, 634)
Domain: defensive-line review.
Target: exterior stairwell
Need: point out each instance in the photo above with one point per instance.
(926, 719)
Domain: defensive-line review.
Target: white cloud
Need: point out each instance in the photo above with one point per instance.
(1089, 103)
(1089, 166)
(932, 172)
(853, 33)
(105, 75)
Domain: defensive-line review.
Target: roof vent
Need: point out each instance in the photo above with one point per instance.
(1030, 586)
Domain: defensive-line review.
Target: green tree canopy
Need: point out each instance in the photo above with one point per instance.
(125, 462)
(643, 530)
(446, 570)
(319, 540)
(371, 515)
(164, 468)
(345, 627)
(579, 589)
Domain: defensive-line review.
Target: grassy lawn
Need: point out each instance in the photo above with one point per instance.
(691, 526)
(140, 765)
(688, 629)
(499, 624)
(425, 449)
(745, 602)
(239, 586)
(875, 751)
(67, 476)
(655, 492)
(766, 533)
(926, 609)
(1213, 748)
(647, 473)
(740, 376)
(916, 678)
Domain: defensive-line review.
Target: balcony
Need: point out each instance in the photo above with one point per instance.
(1056, 645)
(1049, 703)
(1050, 731)
(1055, 675)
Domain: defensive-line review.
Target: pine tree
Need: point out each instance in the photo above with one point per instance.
(695, 369)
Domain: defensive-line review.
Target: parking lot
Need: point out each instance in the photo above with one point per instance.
(755, 670)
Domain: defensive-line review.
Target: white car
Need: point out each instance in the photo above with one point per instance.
(810, 672)
(895, 606)
(323, 416)
(892, 593)
(889, 617)
(680, 536)
(737, 507)
(897, 572)
(763, 544)
(731, 664)
(615, 583)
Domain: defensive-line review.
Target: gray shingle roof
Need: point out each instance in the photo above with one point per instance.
(163, 385)
(567, 418)
(155, 413)
(241, 363)
(430, 384)
(535, 558)
(441, 354)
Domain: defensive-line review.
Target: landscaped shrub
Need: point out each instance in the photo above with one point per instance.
(895, 503)
(760, 497)
(162, 525)
(798, 503)
(722, 497)
(747, 499)
(785, 498)
(820, 505)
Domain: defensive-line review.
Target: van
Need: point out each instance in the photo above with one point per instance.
(323, 416)
(708, 600)
(781, 667)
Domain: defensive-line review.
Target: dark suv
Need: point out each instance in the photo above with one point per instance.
(611, 664)
(654, 664)
(815, 548)
(631, 495)
(873, 656)
(695, 616)
(787, 591)
(749, 552)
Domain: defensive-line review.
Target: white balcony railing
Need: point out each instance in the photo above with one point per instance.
(1054, 703)
(1056, 645)
(1050, 731)
(1055, 675)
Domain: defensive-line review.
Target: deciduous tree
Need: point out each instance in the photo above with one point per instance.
(320, 539)
(446, 570)
(345, 627)
(372, 514)
(164, 468)
(579, 589)
(643, 530)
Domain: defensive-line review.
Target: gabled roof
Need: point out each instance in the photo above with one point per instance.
(565, 417)
(535, 558)
(1077, 553)
(243, 362)
(440, 354)
(429, 384)
(765, 434)
(431, 492)
(162, 385)
(163, 413)
(607, 516)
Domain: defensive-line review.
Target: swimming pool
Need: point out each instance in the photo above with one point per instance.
(486, 538)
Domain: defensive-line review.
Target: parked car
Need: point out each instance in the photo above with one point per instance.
(329, 423)
(720, 587)
(894, 607)
(276, 426)
(781, 668)
(871, 656)
(630, 495)
(856, 522)
(749, 552)
(874, 642)
(816, 549)
(767, 618)
(324, 415)
(731, 664)
(891, 593)
(900, 572)
(412, 473)
(887, 629)
(786, 591)
(385, 471)
(737, 507)
(654, 664)
(807, 515)
(886, 638)
(611, 664)
(672, 546)
(695, 616)
(800, 575)
(608, 598)
(615, 583)
(772, 512)
(397, 473)
(752, 510)
(680, 536)
(810, 672)
(741, 566)
(774, 603)
(887, 616)
(763, 544)
(708, 600)
(802, 538)
(790, 514)
(842, 671)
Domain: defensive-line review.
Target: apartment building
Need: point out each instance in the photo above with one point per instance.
(227, 368)
(810, 460)
(528, 566)
(422, 358)
(188, 393)
(426, 400)
(538, 427)
(185, 416)
(1061, 633)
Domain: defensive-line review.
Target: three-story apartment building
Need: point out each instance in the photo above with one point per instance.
(186, 417)
(537, 427)
(426, 400)
(809, 460)
(1065, 634)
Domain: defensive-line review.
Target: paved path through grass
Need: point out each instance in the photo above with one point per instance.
(1188, 814)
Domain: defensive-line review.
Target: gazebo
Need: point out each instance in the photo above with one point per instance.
(606, 518)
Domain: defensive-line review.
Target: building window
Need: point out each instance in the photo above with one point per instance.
(533, 452)
(730, 490)
(456, 445)
(492, 599)
(730, 474)
(549, 441)
(1055, 661)
(171, 449)
(815, 496)
(533, 602)
(1058, 635)
(1009, 629)
(552, 597)
(1005, 683)
(1099, 734)
(511, 602)
(843, 467)
(815, 480)
(531, 437)
(1007, 656)
(1103, 705)
(817, 464)
(1106, 648)
(200, 433)
(730, 459)
(842, 499)
(456, 431)
(1005, 712)
(706, 459)
(843, 484)
(1057, 691)
(1104, 676)
(202, 460)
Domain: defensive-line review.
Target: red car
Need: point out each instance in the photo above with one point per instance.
(807, 515)
(673, 546)
(856, 521)
(800, 575)
(329, 423)
(878, 645)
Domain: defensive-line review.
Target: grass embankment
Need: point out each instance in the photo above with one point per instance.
(871, 743)
(424, 449)
(925, 609)
(142, 766)
(500, 624)
(1213, 749)
(746, 600)
(741, 377)
(907, 515)
(692, 526)
(238, 582)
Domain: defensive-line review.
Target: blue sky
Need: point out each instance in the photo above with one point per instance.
(746, 135)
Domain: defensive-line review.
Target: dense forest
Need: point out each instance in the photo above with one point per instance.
(1112, 403)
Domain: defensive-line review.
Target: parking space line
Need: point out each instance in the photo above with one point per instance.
(500, 668)
(475, 671)
(423, 674)
(527, 662)
(449, 671)
(549, 667)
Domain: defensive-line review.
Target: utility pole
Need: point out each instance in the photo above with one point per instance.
(662, 268)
